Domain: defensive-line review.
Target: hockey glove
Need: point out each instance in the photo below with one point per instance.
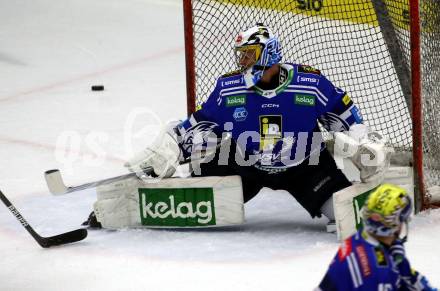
(411, 279)
(366, 149)
(162, 155)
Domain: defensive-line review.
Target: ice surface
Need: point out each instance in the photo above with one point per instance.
(51, 53)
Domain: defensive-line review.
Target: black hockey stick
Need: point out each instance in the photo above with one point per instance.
(45, 242)
(56, 184)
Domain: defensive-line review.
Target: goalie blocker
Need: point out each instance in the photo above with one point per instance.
(172, 202)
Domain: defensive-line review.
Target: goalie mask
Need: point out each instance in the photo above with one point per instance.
(256, 49)
(385, 210)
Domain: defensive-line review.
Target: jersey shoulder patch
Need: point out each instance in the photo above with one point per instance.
(231, 79)
(308, 70)
(230, 74)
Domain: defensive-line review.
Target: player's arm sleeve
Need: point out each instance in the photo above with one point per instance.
(410, 278)
(201, 126)
(336, 278)
(337, 112)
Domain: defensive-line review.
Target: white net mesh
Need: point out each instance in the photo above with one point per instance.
(364, 52)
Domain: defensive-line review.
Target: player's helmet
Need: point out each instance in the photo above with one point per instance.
(256, 49)
(386, 209)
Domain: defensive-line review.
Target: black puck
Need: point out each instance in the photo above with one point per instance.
(97, 87)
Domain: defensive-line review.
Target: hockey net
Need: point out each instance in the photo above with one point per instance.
(362, 46)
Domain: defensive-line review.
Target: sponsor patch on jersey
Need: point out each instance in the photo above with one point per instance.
(356, 114)
(381, 260)
(240, 114)
(346, 99)
(305, 99)
(271, 131)
(235, 100)
(310, 80)
(344, 249)
(363, 259)
(228, 83)
(270, 105)
(308, 70)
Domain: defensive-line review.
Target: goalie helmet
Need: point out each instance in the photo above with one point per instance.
(256, 49)
(386, 209)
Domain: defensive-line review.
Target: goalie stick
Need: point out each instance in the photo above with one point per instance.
(56, 184)
(45, 242)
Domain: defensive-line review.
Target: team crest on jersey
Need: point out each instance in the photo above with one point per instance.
(334, 122)
(197, 134)
(271, 131)
(308, 70)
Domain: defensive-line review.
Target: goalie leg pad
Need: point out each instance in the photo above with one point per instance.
(347, 203)
(174, 202)
(117, 206)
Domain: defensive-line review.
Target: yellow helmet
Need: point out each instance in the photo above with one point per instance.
(386, 209)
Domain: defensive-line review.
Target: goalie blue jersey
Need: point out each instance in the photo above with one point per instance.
(361, 263)
(278, 127)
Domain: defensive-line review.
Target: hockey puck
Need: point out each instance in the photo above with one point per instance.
(97, 87)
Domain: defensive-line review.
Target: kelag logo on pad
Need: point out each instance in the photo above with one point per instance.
(358, 202)
(177, 206)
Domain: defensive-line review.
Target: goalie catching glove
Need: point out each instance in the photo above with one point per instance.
(366, 149)
(163, 155)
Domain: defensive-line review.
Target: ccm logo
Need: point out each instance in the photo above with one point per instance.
(270, 106)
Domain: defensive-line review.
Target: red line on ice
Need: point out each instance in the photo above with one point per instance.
(93, 74)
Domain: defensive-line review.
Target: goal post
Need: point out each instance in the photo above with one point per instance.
(384, 53)
(417, 114)
(189, 57)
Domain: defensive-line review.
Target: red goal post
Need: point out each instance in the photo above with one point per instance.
(421, 200)
(385, 53)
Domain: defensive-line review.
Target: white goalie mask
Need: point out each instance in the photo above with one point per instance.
(256, 49)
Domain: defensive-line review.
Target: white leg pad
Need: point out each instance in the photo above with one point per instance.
(348, 202)
(117, 206)
(173, 202)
